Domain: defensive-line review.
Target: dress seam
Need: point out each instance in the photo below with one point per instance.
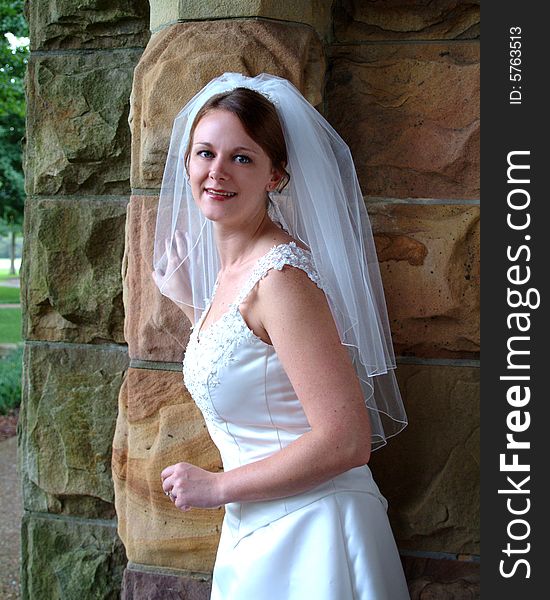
(210, 399)
(266, 358)
(346, 549)
(335, 492)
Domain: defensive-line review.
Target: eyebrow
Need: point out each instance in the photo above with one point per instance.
(237, 149)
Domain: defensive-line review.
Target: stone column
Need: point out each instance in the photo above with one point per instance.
(158, 423)
(404, 93)
(77, 168)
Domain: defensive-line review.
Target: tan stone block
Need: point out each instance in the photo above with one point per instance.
(90, 24)
(66, 427)
(181, 59)
(405, 20)
(430, 472)
(410, 114)
(429, 262)
(72, 288)
(442, 579)
(69, 558)
(159, 425)
(77, 122)
(316, 13)
(155, 328)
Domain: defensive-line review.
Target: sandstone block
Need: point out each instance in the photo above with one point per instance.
(67, 423)
(440, 579)
(152, 585)
(316, 13)
(181, 59)
(402, 20)
(410, 114)
(66, 558)
(429, 262)
(155, 328)
(77, 123)
(430, 472)
(71, 270)
(159, 425)
(91, 24)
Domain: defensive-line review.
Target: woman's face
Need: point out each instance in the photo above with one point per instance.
(229, 172)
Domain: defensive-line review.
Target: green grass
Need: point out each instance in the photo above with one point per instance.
(10, 332)
(10, 325)
(9, 295)
(10, 381)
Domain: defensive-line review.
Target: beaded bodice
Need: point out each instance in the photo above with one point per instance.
(236, 378)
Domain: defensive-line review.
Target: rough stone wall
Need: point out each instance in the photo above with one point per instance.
(77, 168)
(404, 93)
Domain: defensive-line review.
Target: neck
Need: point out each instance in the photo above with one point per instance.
(236, 245)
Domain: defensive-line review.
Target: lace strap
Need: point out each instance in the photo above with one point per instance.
(279, 256)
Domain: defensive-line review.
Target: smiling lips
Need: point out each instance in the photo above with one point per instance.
(219, 193)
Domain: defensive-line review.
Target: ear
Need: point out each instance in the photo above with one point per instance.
(276, 176)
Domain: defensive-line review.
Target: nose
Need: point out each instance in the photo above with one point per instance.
(218, 171)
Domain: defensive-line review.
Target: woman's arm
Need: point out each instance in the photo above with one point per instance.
(295, 314)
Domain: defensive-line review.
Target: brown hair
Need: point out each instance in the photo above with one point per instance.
(259, 119)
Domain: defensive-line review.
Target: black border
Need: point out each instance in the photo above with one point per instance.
(506, 128)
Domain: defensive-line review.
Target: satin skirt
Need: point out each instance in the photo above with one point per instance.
(332, 543)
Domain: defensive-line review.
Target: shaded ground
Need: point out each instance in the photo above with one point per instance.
(11, 508)
(10, 514)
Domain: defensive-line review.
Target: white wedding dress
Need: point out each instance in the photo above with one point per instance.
(333, 542)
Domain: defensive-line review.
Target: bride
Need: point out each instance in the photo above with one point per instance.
(264, 243)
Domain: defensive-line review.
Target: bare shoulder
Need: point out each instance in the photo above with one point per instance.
(279, 238)
(290, 283)
(291, 306)
(296, 315)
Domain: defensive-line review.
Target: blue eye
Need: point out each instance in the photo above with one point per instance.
(242, 159)
(205, 153)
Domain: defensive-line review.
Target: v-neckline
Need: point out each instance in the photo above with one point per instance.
(232, 305)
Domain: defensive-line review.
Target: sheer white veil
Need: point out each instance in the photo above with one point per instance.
(322, 206)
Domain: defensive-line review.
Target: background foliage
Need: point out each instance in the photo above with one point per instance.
(10, 381)
(13, 64)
